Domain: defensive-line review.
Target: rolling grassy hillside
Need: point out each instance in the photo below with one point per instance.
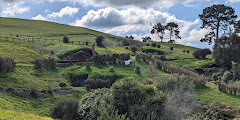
(25, 75)
(33, 28)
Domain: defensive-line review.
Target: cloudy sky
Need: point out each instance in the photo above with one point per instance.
(120, 17)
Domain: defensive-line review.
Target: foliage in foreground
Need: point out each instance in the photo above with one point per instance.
(127, 97)
(65, 109)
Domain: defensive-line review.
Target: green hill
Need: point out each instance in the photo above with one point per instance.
(26, 76)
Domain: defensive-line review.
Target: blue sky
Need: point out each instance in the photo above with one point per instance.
(120, 17)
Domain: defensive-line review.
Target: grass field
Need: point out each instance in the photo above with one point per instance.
(49, 30)
(13, 115)
(211, 93)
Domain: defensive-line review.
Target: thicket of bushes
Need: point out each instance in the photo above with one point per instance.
(65, 109)
(134, 48)
(214, 111)
(7, 64)
(197, 79)
(48, 63)
(114, 58)
(100, 41)
(127, 98)
(201, 53)
(144, 57)
(65, 39)
(132, 42)
(98, 83)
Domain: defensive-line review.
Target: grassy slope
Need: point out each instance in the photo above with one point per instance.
(13, 115)
(184, 59)
(211, 93)
(34, 28)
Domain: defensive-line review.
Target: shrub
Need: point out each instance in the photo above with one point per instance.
(98, 83)
(184, 51)
(147, 81)
(7, 64)
(215, 111)
(126, 43)
(158, 46)
(132, 42)
(227, 76)
(62, 84)
(100, 41)
(134, 48)
(48, 63)
(201, 53)
(65, 39)
(188, 51)
(147, 44)
(139, 101)
(171, 48)
(65, 109)
(137, 70)
(87, 42)
(154, 44)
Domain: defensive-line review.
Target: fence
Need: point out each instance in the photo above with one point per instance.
(32, 39)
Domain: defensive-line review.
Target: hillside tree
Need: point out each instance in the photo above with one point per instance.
(146, 39)
(217, 17)
(226, 50)
(158, 29)
(173, 29)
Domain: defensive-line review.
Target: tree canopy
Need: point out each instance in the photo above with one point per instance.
(226, 50)
(216, 17)
(173, 28)
(159, 29)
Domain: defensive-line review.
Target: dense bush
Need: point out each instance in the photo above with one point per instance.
(227, 76)
(98, 83)
(197, 79)
(144, 57)
(65, 39)
(132, 42)
(158, 46)
(48, 63)
(171, 48)
(140, 102)
(100, 41)
(65, 109)
(214, 111)
(7, 64)
(188, 51)
(231, 87)
(134, 48)
(87, 42)
(201, 53)
(147, 44)
(154, 44)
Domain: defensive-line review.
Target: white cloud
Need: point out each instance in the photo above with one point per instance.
(133, 20)
(190, 44)
(39, 17)
(233, 1)
(67, 11)
(13, 9)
